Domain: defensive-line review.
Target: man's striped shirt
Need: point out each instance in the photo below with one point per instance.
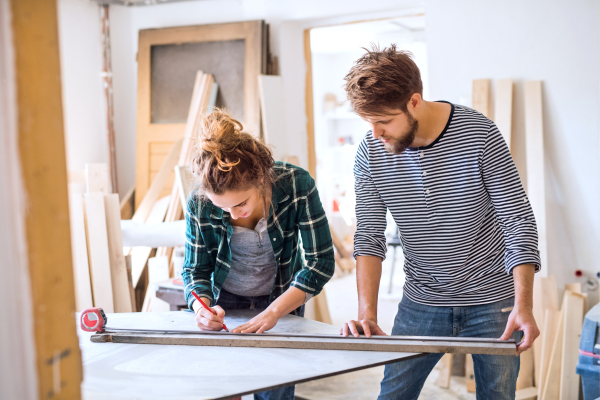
(464, 219)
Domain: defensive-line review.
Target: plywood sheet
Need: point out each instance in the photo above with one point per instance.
(118, 267)
(534, 140)
(81, 267)
(503, 106)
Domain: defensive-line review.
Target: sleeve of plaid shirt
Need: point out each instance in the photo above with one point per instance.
(197, 268)
(317, 244)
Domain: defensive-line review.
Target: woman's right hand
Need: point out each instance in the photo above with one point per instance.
(207, 321)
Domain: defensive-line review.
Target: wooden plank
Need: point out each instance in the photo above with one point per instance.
(272, 108)
(481, 97)
(310, 112)
(547, 339)
(503, 107)
(98, 251)
(38, 110)
(118, 267)
(289, 341)
(145, 207)
(534, 141)
(185, 183)
(158, 271)
(130, 281)
(573, 321)
(551, 388)
(76, 176)
(545, 296)
(445, 373)
(81, 267)
(469, 374)
(525, 377)
(574, 287)
(97, 178)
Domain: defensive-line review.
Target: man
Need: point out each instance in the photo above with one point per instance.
(467, 229)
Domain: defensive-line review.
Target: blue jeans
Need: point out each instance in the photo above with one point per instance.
(495, 376)
(230, 301)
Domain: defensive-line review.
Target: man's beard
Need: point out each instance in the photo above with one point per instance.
(398, 146)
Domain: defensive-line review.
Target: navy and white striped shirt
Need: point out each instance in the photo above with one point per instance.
(463, 216)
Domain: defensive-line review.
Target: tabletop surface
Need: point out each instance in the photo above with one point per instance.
(144, 371)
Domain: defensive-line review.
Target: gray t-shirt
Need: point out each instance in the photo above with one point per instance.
(253, 266)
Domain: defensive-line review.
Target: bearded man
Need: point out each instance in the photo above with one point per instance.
(467, 229)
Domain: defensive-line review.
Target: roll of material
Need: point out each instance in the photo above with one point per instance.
(165, 234)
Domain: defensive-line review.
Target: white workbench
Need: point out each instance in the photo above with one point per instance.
(143, 371)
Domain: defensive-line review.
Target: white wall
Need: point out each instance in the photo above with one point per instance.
(556, 42)
(84, 105)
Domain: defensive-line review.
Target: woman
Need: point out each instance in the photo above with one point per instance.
(243, 233)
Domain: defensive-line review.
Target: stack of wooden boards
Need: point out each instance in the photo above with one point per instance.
(100, 266)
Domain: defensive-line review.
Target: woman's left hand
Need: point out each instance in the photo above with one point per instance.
(259, 324)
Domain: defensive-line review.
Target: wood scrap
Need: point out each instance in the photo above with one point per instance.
(81, 267)
(97, 178)
(98, 251)
(118, 267)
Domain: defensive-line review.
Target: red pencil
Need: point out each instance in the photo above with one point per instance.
(205, 306)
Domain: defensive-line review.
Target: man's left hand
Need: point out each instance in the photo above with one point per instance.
(521, 320)
(259, 324)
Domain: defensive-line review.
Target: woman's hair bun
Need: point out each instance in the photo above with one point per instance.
(227, 158)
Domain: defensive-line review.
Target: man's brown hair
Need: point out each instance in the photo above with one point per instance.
(382, 80)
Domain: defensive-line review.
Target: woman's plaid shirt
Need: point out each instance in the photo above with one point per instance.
(296, 217)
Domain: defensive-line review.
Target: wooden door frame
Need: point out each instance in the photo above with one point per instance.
(44, 359)
(308, 91)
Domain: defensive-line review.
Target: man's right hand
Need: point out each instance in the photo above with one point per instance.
(366, 326)
(207, 321)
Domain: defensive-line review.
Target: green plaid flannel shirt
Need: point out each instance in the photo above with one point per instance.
(296, 217)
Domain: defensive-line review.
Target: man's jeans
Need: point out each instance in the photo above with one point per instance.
(230, 301)
(495, 376)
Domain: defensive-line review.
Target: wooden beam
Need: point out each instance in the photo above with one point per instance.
(98, 250)
(503, 107)
(44, 173)
(118, 266)
(545, 296)
(310, 112)
(469, 374)
(445, 373)
(481, 97)
(322, 342)
(128, 204)
(534, 141)
(81, 266)
(551, 388)
(573, 321)
(185, 184)
(549, 329)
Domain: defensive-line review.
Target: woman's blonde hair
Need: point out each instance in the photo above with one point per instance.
(228, 159)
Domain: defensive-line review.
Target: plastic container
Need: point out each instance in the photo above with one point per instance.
(589, 355)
